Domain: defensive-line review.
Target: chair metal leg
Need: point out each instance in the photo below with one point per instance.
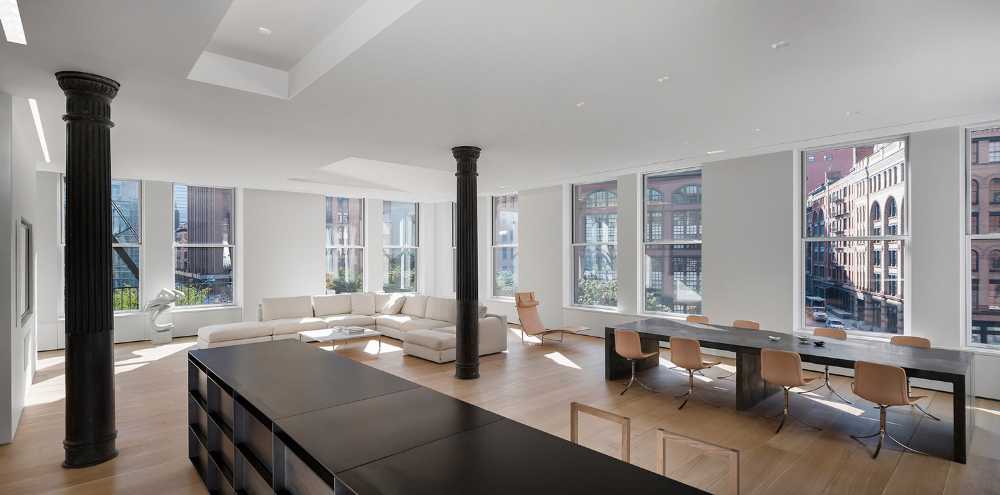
(926, 412)
(690, 391)
(785, 414)
(634, 379)
(882, 433)
(826, 383)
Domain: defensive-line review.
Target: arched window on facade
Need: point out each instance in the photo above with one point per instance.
(602, 199)
(654, 195)
(890, 207)
(876, 212)
(687, 195)
(974, 192)
(995, 260)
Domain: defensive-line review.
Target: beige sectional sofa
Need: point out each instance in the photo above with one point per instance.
(431, 321)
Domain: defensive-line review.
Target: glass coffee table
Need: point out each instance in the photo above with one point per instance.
(339, 335)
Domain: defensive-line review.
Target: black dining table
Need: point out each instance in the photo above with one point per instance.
(943, 365)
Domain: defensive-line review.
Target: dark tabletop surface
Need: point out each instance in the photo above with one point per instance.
(285, 378)
(936, 360)
(381, 426)
(505, 457)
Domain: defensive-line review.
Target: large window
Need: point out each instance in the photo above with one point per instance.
(983, 235)
(672, 260)
(126, 242)
(595, 239)
(855, 234)
(345, 245)
(204, 244)
(504, 245)
(400, 237)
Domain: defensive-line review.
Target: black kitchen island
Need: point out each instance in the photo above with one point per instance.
(286, 417)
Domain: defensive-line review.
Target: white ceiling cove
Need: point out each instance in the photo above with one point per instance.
(368, 96)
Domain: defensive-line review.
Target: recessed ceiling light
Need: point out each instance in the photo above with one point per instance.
(780, 44)
(714, 152)
(10, 19)
(851, 113)
(756, 129)
(663, 78)
(580, 104)
(38, 128)
(264, 31)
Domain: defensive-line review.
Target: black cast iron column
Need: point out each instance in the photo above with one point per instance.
(466, 276)
(90, 379)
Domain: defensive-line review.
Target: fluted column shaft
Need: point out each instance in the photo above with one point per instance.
(90, 387)
(466, 264)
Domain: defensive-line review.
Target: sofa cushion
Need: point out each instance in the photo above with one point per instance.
(431, 339)
(363, 303)
(439, 308)
(393, 321)
(234, 331)
(276, 308)
(389, 304)
(415, 306)
(335, 304)
(294, 325)
(423, 324)
(349, 321)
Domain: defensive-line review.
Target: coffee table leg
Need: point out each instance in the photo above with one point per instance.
(379, 345)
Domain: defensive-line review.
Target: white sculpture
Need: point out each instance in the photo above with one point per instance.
(159, 305)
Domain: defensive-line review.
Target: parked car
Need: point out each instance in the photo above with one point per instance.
(819, 316)
(834, 323)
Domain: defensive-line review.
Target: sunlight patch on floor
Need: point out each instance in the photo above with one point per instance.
(370, 347)
(840, 406)
(155, 353)
(558, 358)
(47, 363)
(46, 391)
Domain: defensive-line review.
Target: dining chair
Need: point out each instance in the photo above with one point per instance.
(784, 368)
(531, 322)
(886, 386)
(747, 324)
(686, 353)
(697, 319)
(920, 343)
(575, 408)
(830, 333)
(629, 346)
(705, 453)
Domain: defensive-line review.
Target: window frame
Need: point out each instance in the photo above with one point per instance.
(494, 246)
(645, 235)
(902, 221)
(364, 239)
(415, 247)
(573, 245)
(983, 266)
(232, 245)
(142, 255)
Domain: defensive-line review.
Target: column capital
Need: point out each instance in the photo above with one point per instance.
(88, 84)
(466, 158)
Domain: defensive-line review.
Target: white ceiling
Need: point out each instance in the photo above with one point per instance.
(296, 27)
(508, 76)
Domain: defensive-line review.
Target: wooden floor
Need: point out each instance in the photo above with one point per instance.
(532, 384)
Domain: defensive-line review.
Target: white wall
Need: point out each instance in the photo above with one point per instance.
(283, 246)
(443, 277)
(749, 241)
(17, 187)
(540, 249)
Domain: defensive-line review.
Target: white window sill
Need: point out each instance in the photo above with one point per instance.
(501, 299)
(598, 309)
(206, 307)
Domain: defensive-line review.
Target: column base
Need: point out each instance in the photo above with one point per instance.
(89, 454)
(466, 371)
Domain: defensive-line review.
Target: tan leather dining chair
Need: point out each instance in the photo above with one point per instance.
(920, 343)
(830, 333)
(531, 322)
(697, 319)
(886, 386)
(784, 368)
(747, 324)
(686, 353)
(629, 346)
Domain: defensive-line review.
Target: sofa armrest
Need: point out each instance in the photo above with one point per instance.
(492, 334)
